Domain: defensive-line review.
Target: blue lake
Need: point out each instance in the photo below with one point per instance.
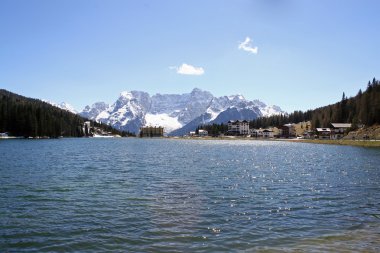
(167, 195)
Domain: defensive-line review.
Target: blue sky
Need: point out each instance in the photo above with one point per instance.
(300, 54)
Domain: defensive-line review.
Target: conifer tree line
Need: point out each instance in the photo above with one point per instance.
(21, 116)
(362, 109)
(213, 129)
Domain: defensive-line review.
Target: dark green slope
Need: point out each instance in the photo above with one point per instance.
(22, 116)
(362, 109)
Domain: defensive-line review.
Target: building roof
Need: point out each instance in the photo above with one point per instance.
(237, 121)
(323, 130)
(341, 125)
(289, 125)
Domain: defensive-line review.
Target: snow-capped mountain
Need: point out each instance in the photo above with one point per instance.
(177, 113)
(63, 105)
(91, 112)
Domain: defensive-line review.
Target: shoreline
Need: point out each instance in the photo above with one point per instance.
(341, 142)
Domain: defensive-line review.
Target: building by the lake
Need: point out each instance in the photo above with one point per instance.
(238, 127)
(262, 133)
(87, 130)
(288, 131)
(323, 133)
(335, 132)
(339, 130)
(151, 131)
(4, 135)
(202, 132)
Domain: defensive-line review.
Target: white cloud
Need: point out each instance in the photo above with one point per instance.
(186, 69)
(246, 46)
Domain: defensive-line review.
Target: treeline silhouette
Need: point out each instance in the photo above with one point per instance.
(22, 116)
(362, 109)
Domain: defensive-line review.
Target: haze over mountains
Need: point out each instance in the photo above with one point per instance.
(177, 113)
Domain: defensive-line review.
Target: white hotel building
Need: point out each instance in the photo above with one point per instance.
(238, 127)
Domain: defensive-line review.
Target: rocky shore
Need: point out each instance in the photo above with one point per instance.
(370, 133)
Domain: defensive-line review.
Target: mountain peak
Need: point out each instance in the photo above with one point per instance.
(236, 97)
(178, 112)
(126, 94)
(67, 107)
(195, 90)
(62, 105)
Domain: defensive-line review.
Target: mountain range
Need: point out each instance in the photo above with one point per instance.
(177, 113)
(65, 106)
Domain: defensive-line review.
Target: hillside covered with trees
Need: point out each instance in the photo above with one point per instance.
(22, 116)
(362, 109)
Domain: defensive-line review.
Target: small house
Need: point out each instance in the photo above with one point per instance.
(262, 133)
(151, 131)
(202, 132)
(267, 133)
(323, 133)
(288, 131)
(254, 132)
(339, 129)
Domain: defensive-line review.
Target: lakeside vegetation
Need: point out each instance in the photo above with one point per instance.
(358, 143)
(362, 109)
(27, 117)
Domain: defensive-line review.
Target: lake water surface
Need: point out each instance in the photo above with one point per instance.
(165, 195)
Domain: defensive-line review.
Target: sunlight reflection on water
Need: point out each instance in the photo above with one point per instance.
(178, 195)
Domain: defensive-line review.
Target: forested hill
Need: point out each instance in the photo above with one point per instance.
(22, 116)
(364, 108)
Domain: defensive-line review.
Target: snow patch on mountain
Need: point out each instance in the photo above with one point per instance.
(213, 113)
(102, 116)
(134, 109)
(95, 110)
(270, 110)
(67, 107)
(63, 105)
(164, 120)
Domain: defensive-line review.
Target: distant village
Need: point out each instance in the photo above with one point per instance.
(301, 130)
(241, 128)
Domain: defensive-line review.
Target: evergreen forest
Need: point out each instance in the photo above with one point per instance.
(362, 109)
(27, 117)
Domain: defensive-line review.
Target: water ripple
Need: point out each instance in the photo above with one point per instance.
(156, 195)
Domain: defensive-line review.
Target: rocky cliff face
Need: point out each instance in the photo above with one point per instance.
(93, 111)
(177, 113)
